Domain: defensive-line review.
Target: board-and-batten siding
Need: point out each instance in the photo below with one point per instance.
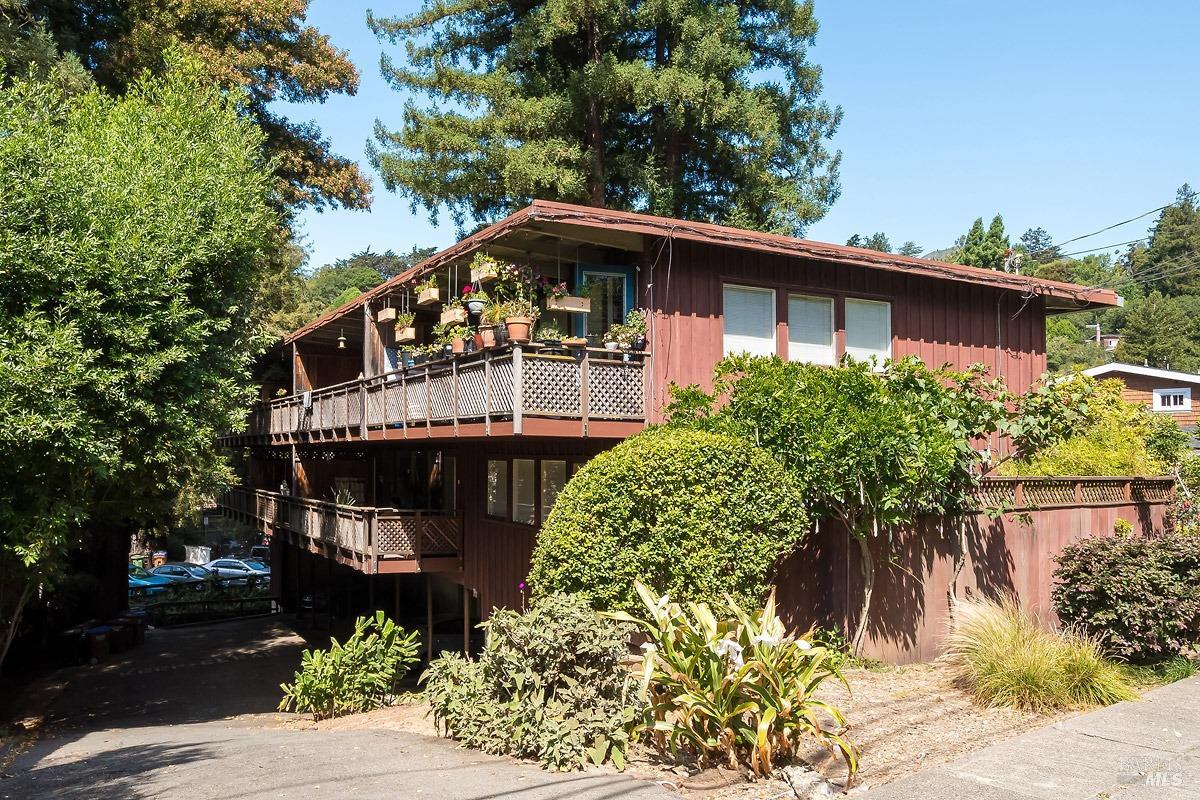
(936, 320)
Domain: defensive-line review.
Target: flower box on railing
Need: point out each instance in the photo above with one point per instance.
(569, 303)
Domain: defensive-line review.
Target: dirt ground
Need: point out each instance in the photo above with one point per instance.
(902, 719)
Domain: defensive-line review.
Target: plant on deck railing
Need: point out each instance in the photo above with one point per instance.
(358, 676)
(737, 689)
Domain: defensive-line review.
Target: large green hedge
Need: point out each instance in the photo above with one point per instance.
(695, 514)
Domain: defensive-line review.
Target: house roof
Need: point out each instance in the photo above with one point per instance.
(549, 217)
(1117, 368)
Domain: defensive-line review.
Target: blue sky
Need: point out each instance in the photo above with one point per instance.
(1063, 114)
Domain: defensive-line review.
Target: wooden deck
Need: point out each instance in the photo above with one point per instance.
(511, 391)
(373, 540)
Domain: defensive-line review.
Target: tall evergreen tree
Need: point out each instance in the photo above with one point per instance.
(1174, 245)
(980, 248)
(1039, 246)
(910, 248)
(693, 109)
(1159, 334)
(876, 241)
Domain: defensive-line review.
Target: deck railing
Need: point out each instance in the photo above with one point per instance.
(1065, 491)
(511, 384)
(365, 531)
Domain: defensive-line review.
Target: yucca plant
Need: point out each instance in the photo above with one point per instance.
(738, 688)
(1004, 656)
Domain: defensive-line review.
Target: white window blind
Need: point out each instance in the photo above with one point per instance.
(868, 329)
(524, 497)
(749, 320)
(810, 329)
(497, 489)
(554, 478)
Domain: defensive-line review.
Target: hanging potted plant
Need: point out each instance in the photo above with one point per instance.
(454, 312)
(474, 299)
(559, 297)
(428, 292)
(485, 268)
(385, 315)
(519, 316)
(405, 332)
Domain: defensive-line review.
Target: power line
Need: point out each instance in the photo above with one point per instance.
(1106, 228)
(1105, 247)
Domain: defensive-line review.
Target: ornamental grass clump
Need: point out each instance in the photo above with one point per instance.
(1004, 657)
(360, 675)
(734, 690)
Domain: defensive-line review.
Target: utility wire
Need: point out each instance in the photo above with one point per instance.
(1102, 230)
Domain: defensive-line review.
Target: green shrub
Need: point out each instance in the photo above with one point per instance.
(1137, 595)
(738, 689)
(550, 685)
(358, 676)
(1005, 658)
(701, 514)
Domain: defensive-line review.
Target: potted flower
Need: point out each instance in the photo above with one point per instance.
(519, 316)
(405, 332)
(559, 297)
(635, 324)
(454, 335)
(490, 319)
(454, 312)
(616, 336)
(549, 333)
(474, 299)
(428, 292)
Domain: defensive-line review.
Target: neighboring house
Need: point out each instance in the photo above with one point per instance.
(1162, 390)
(1109, 341)
(454, 464)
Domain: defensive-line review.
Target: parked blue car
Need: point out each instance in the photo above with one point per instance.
(146, 584)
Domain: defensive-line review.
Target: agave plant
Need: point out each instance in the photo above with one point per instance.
(738, 687)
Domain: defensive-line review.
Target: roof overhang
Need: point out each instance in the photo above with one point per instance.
(535, 229)
(1117, 368)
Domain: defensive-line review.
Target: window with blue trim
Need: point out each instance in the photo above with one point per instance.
(611, 290)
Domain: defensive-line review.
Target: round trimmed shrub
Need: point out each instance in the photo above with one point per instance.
(693, 514)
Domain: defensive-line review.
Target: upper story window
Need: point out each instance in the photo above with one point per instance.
(749, 320)
(611, 290)
(868, 329)
(1172, 400)
(497, 489)
(810, 329)
(524, 508)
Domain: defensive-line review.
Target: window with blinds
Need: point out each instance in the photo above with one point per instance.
(810, 329)
(868, 329)
(524, 491)
(749, 320)
(497, 489)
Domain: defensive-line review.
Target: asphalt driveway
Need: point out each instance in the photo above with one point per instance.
(191, 714)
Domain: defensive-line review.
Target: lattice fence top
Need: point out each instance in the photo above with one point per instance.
(1055, 492)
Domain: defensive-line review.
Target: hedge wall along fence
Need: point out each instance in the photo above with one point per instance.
(695, 514)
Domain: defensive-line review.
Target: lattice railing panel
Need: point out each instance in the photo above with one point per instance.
(551, 386)
(416, 399)
(375, 404)
(1150, 490)
(440, 535)
(1102, 491)
(1049, 492)
(396, 535)
(615, 390)
(393, 402)
(472, 399)
(441, 396)
(501, 381)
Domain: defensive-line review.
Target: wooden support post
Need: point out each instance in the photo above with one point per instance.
(371, 593)
(466, 593)
(395, 597)
(487, 392)
(583, 391)
(328, 591)
(518, 391)
(428, 617)
(312, 583)
(454, 391)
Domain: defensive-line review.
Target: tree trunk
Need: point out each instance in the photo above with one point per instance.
(110, 553)
(595, 125)
(960, 560)
(14, 622)
(867, 563)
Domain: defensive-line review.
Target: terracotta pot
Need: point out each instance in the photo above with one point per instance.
(458, 345)
(487, 336)
(518, 328)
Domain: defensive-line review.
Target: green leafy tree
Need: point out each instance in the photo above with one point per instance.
(876, 241)
(1174, 243)
(872, 450)
(132, 239)
(265, 50)
(26, 45)
(1159, 334)
(694, 110)
(983, 248)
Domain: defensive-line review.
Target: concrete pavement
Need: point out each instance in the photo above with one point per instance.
(1149, 748)
(190, 714)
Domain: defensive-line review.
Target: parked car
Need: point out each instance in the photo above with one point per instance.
(145, 583)
(239, 570)
(193, 575)
(261, 552)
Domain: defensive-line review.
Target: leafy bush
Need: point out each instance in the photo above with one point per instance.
(1004, 657)
(550, 685)
(1138, 596)
(702, 514)
(358, 676)
(1119, 438)
(740, 689)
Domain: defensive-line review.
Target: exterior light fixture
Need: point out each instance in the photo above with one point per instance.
(341, 339)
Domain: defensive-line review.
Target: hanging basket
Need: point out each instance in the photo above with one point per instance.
(406, 335)
(453, 315)
(429, 296)
(570, 303)
(386, 315)
(482, 275)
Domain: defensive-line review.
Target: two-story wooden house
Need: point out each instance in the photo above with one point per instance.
(421, 488)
